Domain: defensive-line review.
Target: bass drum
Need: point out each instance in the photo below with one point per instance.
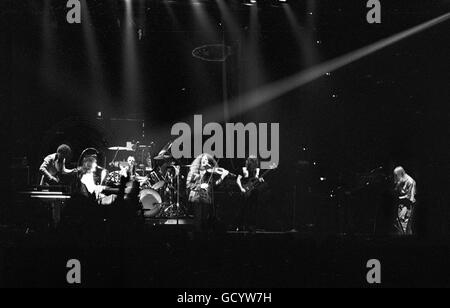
(151, 203)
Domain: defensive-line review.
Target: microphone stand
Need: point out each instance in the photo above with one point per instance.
(212, 190)
(177, 207)
(114, 159)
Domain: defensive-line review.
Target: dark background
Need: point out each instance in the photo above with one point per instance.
(388, 109)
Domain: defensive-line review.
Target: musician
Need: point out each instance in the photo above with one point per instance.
(148, 162)
(249, 207)
(90, 188)
(53, 168)
(405, 187)
(200, 182)
(130, 169)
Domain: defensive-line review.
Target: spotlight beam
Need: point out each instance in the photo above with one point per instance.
(230, 21)
(58, 81)
(132, 81)
(303, 37)
(47, 40)
(254, 72)
(272, 91)
(94, 58)
(205, 22)
(173, 16)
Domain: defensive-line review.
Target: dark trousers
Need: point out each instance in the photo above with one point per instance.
(249, 211)
(406, 226)
(203, 216)
(411, 221)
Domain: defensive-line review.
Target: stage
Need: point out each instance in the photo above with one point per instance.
(225, 143)
(175, 257)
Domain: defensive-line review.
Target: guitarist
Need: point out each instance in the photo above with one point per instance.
(249, 208)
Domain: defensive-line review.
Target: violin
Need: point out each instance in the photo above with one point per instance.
(220, 171)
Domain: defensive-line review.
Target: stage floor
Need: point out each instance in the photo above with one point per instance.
(176, 257)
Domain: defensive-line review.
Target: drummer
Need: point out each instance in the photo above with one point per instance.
(130, 171)
(148, 162)
(131, 166)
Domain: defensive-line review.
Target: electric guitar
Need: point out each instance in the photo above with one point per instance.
(254, 183)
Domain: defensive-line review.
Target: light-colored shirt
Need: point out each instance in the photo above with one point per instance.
(51, 167)
(88, 181)
(407, 188)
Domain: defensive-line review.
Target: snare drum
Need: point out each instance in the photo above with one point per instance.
(151, 202)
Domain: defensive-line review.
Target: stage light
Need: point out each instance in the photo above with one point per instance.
(250, 2)
(204, 21)
(213, 53)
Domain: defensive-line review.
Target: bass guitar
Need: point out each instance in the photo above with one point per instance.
(254, 183)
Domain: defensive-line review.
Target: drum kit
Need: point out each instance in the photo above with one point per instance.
(159, 179)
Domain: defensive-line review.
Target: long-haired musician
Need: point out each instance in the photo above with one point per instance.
(200, 182)
(248, 211)
(90, 186)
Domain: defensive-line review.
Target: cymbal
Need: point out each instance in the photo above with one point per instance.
(119, 164)
(120, 149)
(163, 157)
(166, 149)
